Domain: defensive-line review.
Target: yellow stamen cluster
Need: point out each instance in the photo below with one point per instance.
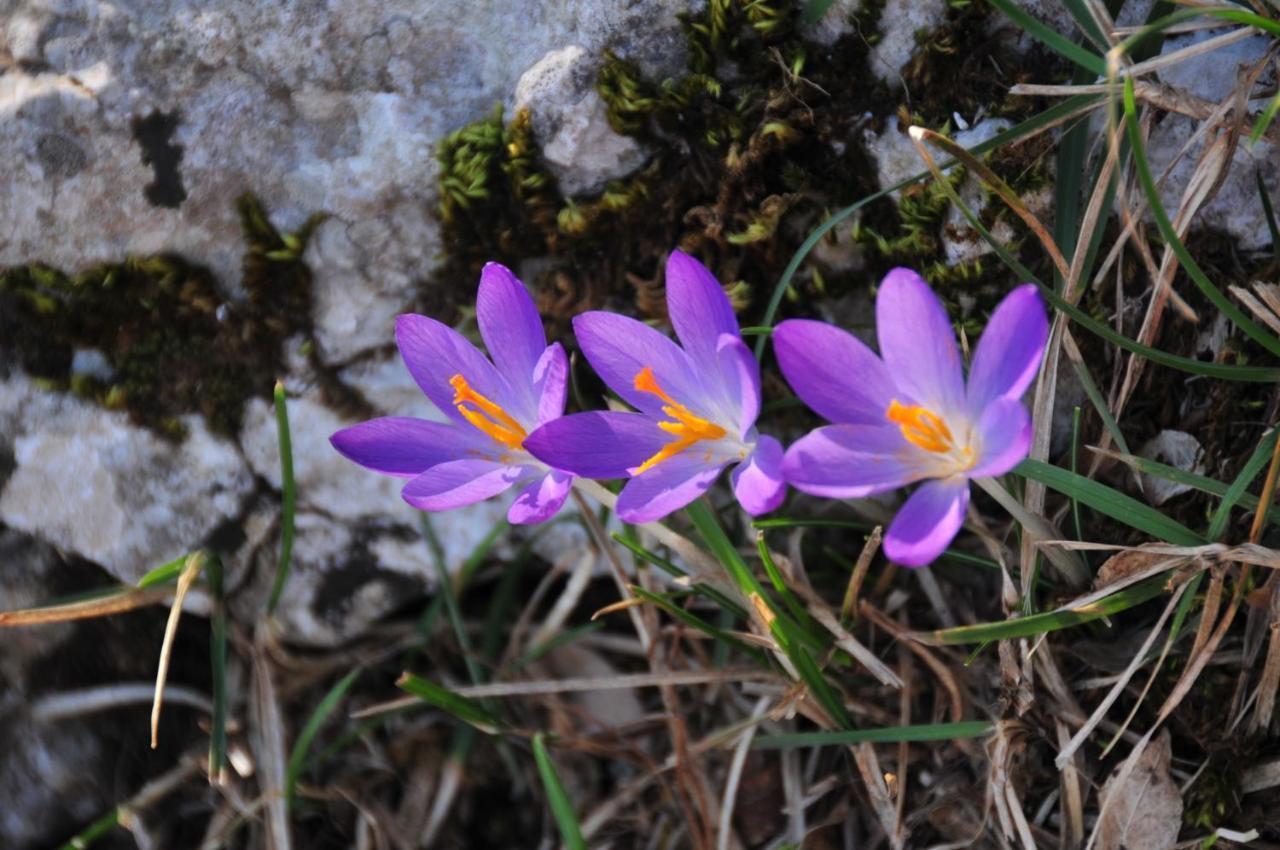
(488, 416)
(921, 426)
(687, 427)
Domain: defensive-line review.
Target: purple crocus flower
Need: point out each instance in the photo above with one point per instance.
(493, 407)
(697, 406)
(908, 414)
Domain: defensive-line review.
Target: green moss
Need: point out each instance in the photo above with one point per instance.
(175, 346)
(754, 143)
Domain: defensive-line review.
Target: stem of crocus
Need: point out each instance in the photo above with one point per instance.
(1065, 560)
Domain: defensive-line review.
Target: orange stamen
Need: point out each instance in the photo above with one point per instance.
(489, 418)
(687, 427)
(921, 426)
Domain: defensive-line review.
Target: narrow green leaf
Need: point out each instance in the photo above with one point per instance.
(884, 735)
(1236, 492)
(218, 662)
(302, 747)
(700, 588)
(463, 708)
(1224, 304)
(1112, 503)
(814, 10)
(289, 497)
(1267, 209)
(693, 620)
(163, 573)
(1038, 624)
(561, 807)
(1051, 38)
(1055, 114)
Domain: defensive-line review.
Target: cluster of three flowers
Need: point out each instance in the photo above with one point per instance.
(900, 417)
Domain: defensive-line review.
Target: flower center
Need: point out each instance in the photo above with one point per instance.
(921, 426)
(924, 428)
(486, 415)
(687, 427)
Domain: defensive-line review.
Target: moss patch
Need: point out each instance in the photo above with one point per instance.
(757, 141)
(173, 342)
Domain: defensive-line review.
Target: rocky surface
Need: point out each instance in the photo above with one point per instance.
(569, 120)
(130, 127)
(88, 481)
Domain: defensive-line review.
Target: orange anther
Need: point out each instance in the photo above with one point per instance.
(921, 426)
(687, 427)
(490, 418)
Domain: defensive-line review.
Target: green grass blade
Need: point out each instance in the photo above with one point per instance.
(561, 808)
(955, 555)
(302, 747)
(1224, 304)
(1038, 624)
(99, 828)
(814, 10)
(289, 497)
(700, 588)
(1267, 210)
(1051, 38)
(1103, 330)
(163, 573)
(218, 663)
(1053, 115)
(1236, 492)
(1110, 502)
(885, 735)
(1075, 456)
(463, 708)
(693, 620)
(1264, 120)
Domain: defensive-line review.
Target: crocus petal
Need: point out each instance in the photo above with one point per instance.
(541, 500)
(551, 382)
(757, 481)
(509, 324)
(460, 483)
(1004, 437)
(435, 352)
(404, 446)
(700, 311)
(619, 347)
(927, 522)
(1008, 354)
(833, 372)
(852, 461)
(740, 378)
(666, 487)
(917, 343)
(597, 444)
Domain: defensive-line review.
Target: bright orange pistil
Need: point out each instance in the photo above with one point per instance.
(921, 426)
(687, 427)
(489, 417)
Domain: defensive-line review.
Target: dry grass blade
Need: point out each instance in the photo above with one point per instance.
(67, 704)
(919, 135)
(864, 755)
(560, 686)
(859, 574)
(1072, 797)
(724, 829)
(190, 571)
(117, 603)
(1263, 302)
(1083, 733)
(267, 739)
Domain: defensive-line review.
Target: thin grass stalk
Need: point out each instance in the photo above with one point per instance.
(289, 497)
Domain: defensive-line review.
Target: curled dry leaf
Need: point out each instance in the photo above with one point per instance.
(1145, 811)
(1124, 564)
